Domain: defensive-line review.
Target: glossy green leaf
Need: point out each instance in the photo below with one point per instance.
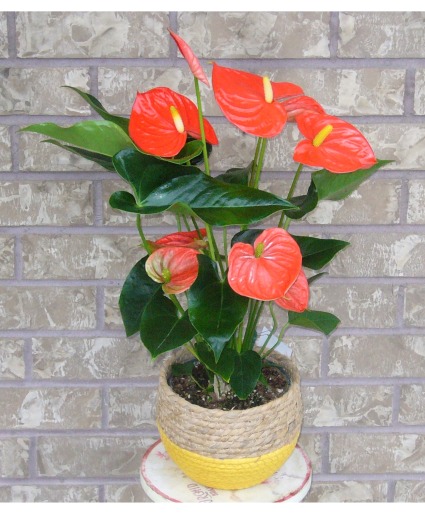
(315, 277)
(161, 328)
(305, 203)
(236, 175)
(182, 369)
(159, 185)
(316, 320)
(337, 186)
(246, 373)
(98, 107)
(98, 136)
(246, 236)
(214, 308)
(137, 291)
(223, 367)
(318, 252)
(189, 152)
(104, 161)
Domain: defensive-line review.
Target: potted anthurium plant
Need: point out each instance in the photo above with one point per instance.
(229, 409)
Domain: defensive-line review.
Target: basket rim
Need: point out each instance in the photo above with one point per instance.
(292, 370)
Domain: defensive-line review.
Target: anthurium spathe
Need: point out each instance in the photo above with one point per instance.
(296, 298)
(175, 267)
(251, 102)
(161, 120)
(190, 239)
(266, 269)
(299, 104)
(332, 144)
(191, 59)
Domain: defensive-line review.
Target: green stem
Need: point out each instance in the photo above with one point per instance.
(176, 302)
(201, 126)
(273, 329)
(225, 242)
(186, 224)
(179, 223)
(141, 233)
(279, 339)
(290, 195)
(195, 224)
(259, 167)
(255, 162)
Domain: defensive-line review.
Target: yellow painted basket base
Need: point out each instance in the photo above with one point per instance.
(227, 474)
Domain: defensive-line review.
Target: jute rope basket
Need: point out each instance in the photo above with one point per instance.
(229, 449)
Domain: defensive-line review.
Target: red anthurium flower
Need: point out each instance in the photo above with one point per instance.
(332, 144)
(251, 102)
(192, 60)
(297, 105)
(266, 270)
(161, 119)
(296, 298)
(190, 239)
(175, 267)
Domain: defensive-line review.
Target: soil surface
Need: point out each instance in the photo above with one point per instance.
(194, 388)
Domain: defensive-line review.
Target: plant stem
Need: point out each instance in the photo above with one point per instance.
(255, 163)
(273, 329)
(279, 339)
(201, 126)
(176, 302)
(290, 195)
(259, 166)
(186, 223)
(141, 233)
(195, 224)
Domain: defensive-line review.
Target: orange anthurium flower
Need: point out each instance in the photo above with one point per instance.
(189, 239)
(296, 298)
(297, 105)
(192, 60)
(252, 102)
(175, 267)
(266, 270)
(161, 119)
(332, 144)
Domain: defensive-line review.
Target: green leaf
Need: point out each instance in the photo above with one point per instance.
(236, 175)
(305, 203)
(223, 367)
(246, 236)
(159, 185)
(182, 369)
(137, 291)
(318, 252)
(104, 161)
(314, 278)
(99, 136)
(189, 152)
(337, 186)
(214, 308)
(161, 329)
(125, 201)
(316, 320)
(246, 373)
(98, 107)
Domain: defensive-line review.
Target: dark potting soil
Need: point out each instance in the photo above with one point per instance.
(186, 386)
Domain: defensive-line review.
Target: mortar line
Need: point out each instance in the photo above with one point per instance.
(409, 91)
(97, 200)
(28, 360)
(333, 34)
(11, 36)
(396, 405)
(105, 407)
(325, 462)
(391, 490)
(101, 493)
(32, 458)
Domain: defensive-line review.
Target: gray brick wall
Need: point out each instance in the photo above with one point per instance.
(76, 396)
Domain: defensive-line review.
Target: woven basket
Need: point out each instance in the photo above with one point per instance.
(229, 450)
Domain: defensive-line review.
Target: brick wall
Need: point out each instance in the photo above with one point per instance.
(76, 396)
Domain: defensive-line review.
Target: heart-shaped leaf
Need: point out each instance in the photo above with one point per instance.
(224, 366)
(159, 185)
(137, 291)
(337, 186)
(98, 136)
(246, 373)
(104, 161)
(318, 252)
(98, 107)
(215, 310)
(316, 320)
(161, 328)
